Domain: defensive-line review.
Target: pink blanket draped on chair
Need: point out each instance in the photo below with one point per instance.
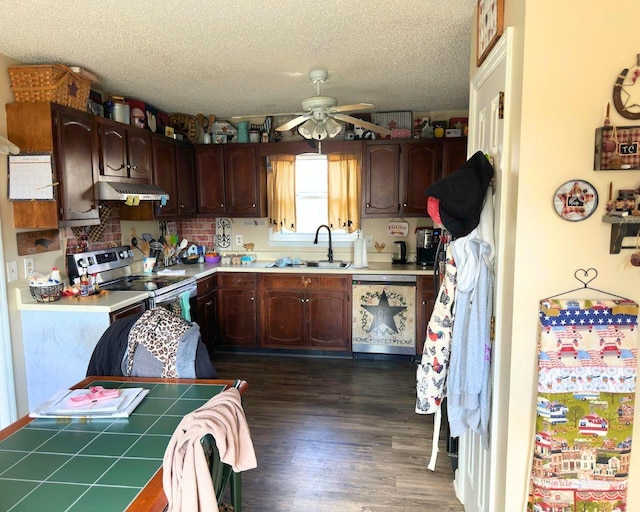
(186, 477)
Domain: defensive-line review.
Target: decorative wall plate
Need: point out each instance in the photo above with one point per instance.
(575, 200)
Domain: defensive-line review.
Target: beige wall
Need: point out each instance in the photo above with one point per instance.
(573, 52)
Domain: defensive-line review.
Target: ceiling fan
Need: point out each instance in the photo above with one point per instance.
(321, 114)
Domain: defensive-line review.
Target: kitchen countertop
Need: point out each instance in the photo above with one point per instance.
(109, 301)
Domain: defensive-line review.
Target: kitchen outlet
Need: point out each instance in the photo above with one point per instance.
(369, 241)
(12, 271)
(238, 239)
(28, 267)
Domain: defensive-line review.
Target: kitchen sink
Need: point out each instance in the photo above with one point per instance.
(328, 264)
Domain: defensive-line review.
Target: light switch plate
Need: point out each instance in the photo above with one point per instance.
(239, 240)
(28, 267)
(12, 271)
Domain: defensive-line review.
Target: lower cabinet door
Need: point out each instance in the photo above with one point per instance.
(283, 313)
(237, 317)
(328, 320)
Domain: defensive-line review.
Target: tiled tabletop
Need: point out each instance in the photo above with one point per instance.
(80, 465)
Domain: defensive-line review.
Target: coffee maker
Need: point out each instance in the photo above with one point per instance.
(427, 240)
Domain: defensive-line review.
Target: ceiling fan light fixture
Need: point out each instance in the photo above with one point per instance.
(332, 126)
(319, 132)
(306, 128)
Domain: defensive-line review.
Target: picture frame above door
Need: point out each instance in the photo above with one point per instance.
(490, 23)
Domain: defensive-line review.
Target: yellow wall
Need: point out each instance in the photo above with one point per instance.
(573, 52)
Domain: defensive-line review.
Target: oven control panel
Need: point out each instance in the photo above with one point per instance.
(99, 262)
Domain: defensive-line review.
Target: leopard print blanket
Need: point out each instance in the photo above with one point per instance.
(159, 331)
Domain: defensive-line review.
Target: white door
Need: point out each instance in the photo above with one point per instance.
(479, 476)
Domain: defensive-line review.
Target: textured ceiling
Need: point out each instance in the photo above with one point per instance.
(253, 56)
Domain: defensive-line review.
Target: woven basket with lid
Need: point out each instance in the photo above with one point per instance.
(56, 83)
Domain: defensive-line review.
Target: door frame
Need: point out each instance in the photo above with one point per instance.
(8, 409)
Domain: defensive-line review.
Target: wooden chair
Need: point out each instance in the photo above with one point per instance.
(222, 474)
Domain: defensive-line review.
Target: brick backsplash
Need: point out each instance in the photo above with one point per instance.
(198, 231)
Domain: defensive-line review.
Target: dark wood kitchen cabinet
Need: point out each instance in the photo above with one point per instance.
(231, 180)
(237, 310)
(454, 155)
(210, 179)
(174, 172)
(125, 151)
(381, 179)
(420, 170)
(426, 297)
(396, 174)
(186, 179)
(70, 136)
(133, 309)
(206, 311)
(245, 179)
(305, 311)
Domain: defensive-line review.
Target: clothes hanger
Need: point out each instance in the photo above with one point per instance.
(586, 277)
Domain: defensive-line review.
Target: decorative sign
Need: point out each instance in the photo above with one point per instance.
(617, 148)
(398, 228)
(33, 242)
(575, 200)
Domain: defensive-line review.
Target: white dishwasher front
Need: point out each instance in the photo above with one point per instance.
(384, 314)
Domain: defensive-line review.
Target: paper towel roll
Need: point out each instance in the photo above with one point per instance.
(358, 247)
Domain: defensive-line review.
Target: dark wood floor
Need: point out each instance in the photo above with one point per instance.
(337, 435)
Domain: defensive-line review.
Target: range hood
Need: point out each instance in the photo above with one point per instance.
(119, 191)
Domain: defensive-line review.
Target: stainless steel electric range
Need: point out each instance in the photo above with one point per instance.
(112, 268)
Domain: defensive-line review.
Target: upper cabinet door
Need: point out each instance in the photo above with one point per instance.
(381, 179)
(210, 178)
(76, 153)
(186, 179)
(454, 155)
(113, 149)
(242, 181)
(139, 154)
(419, 171)
(164, 174)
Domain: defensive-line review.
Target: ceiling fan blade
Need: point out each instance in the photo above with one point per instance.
(355, 106)
(293, 123)
(364, 124)
(256, 116)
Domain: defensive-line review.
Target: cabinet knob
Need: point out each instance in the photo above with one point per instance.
(181, 206)
(302, 299)
(134, 167)
(221, 205)
(208, 303)
(307, 299)
(404, 205)
(368, 205)
(424, 302)
(253, 205)
(253, 298)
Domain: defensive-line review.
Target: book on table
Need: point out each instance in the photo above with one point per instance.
(61, 405)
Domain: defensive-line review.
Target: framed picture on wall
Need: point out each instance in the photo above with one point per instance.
(490, 24)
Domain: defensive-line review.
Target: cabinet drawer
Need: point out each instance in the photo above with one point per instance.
(237, 280)
(206, 284)
(306, 282)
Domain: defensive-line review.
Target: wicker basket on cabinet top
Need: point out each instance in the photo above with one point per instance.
(56, 83)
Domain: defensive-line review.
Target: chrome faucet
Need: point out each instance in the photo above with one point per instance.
(315, 241)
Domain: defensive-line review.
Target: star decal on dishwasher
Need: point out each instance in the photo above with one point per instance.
(383, 314)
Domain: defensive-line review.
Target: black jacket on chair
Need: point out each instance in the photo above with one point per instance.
(110, 350)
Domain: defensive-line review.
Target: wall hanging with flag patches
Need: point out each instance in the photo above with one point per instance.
(587, 360)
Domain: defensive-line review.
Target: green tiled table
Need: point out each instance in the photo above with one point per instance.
(110, 465)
